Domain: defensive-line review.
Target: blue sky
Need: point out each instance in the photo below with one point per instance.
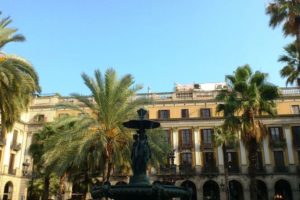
(159, 42)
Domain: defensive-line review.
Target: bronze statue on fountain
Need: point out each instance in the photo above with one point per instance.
(139, 186)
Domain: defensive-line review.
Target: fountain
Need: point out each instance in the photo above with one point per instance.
(139, 187)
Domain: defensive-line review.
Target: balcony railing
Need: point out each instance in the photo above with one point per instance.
(207, 146)
(15, 147)
(167, 170)
(277, 143)
(12, 171)
(280, 169)
(233, 169)
(260, 170)
(187, 170)
(210, 170)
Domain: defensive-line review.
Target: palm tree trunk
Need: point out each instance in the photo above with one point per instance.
(252, 157)
(225, 171)
(46, 187)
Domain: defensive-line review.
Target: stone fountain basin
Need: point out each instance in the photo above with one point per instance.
(141, 192)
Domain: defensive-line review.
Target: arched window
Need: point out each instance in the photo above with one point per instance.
(8, 191)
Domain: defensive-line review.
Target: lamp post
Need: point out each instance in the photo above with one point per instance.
(25, 173)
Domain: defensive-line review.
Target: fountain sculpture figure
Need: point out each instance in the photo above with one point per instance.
(139, 186)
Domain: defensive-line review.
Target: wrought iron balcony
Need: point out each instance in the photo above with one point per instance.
(280, 169)
(12, 171)
(187, 170)
(206, 146)
(167, 170)
(15, 146)
(278, 143)
(210, 170)
(260, 170)
(234, 169)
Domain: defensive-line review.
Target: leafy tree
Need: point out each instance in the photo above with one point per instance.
(291, 70)
(248, 97)
(288, 13)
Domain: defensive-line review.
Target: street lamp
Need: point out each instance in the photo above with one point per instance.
(25, 167)
(25, 172)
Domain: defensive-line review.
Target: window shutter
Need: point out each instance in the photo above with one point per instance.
(180, 138)
(280, 133)
(158, 114)
(191, 138)
(181, 159)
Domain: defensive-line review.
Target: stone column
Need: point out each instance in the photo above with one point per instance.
(289, 146)
(197, 149)
(220, 159)
(266, 152)
(243, 157)
(175, 145)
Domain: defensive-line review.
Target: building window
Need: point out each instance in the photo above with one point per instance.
(295, 109)
(167, 134)
(209, 160)
(279, 161)
(259, 161)
(62, 115)
(296, 136)
(39, 118)
(276, 134)
(11, 166)
(186, 158)
(15, 137)
(186, 138)
(232, 161)
(207, 136)
(205, 112)
(185, 113)
(163, 114)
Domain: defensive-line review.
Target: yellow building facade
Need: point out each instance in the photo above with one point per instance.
(188, 117)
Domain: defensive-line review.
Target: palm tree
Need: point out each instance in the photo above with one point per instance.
(37, 150)
(8, 35)
(247, 98)
(18, 80)
(224, 137)
(18, 83)
(97, 136)
(288, 13)
(291, 70)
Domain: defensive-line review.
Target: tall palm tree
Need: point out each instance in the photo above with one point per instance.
(37, 150)
(7, 34)
(18, 80)
(291, 70)
(18, 83)
(288, 13)
(225, 138)
(248, 97)
(97, 137)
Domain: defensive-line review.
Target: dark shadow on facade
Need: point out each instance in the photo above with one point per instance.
(283, 188)
(211, 191)
(262, 190)
(192, 186)
(236, 190)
